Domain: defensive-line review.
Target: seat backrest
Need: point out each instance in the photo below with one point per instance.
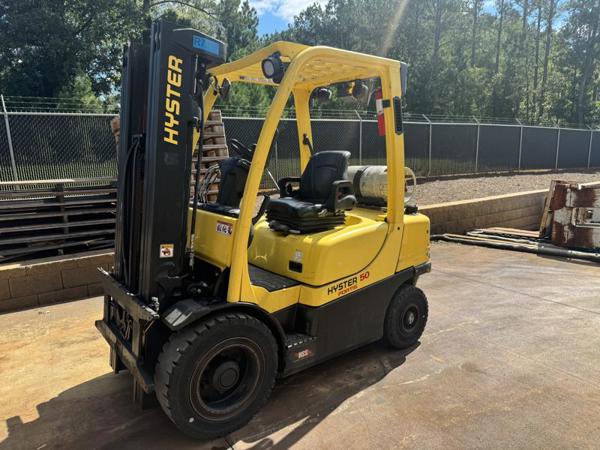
(322, 170)
(234, 172)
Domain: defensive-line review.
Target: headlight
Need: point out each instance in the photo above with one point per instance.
(273, 68)
(268, 68)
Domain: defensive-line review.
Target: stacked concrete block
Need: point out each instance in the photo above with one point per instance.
(522, 210)
(52, 280)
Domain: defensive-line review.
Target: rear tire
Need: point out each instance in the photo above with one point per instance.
(406, 317)
(212, 377)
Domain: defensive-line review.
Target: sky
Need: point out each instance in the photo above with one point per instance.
(274, 15)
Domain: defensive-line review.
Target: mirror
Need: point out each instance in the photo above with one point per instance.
(360, 91)
(224, 89)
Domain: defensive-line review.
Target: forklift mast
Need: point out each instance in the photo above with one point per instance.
(161, 108)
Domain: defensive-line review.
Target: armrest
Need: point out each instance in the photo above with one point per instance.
(342, 196)
(285, 189)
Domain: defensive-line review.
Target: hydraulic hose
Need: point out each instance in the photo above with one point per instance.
(200, 93)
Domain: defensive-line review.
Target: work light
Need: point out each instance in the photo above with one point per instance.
(273, 68)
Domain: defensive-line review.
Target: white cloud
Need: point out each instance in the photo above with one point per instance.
(286, 9)
(263, 6)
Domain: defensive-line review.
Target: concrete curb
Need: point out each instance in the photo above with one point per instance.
(52, 280)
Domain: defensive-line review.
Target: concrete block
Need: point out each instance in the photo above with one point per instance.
(4, 290)
(524, 222)
(503, 216)
(30, 285)
(80, 276)
(96, 260)
(95, 290)
(12, 270)
(464, 215)
(50, 266)
(14, 304)
(62, 295)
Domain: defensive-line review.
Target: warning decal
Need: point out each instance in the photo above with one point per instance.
(224, 228)
(167, 250)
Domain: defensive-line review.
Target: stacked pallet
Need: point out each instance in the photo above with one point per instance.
(214, 149)
(54, 217)
(45, 218)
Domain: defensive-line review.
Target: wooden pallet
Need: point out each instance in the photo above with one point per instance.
(214, 150)
(54, 217)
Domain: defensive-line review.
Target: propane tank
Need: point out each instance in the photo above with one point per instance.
(370, 184)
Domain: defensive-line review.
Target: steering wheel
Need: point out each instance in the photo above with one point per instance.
(241, 149)
(247, 153)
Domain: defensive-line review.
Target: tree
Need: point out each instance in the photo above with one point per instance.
(537, 58)
(536, 69)
(552, 4)
(46, 44)
(583, 29)
(240, 24)
(475, 11)
(499, 35)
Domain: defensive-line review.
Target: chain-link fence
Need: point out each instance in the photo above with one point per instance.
(434, 148)
(53, 146)
(46, 145)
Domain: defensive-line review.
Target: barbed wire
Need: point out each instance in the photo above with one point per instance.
(76, 105)
(57, 104)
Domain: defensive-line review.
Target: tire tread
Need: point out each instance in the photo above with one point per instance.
(174, 349)
(403, 294)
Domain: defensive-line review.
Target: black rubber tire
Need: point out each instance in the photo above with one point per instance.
(409, 302)
(189, 351)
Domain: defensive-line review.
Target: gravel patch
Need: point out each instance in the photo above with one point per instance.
(432, 192)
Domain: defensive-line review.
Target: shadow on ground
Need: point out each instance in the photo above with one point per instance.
(99, 413)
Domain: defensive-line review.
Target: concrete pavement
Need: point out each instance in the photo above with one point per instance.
(510, 359)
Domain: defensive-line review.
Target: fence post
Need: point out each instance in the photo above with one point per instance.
(477, 147)
(520, 145)
(557, 149)
(520, 149)
(590, 147)
(430, 136)
(360, 137)
(9, 137)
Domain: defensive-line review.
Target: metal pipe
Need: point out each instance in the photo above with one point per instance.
(520, 148)
(360, 137)
(10, 143)
(477, 145)
(430, 139)
(590, 149)
(277, 174)
(557, 150)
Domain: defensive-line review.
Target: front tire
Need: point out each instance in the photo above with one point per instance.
(213, 377)
(406, 317)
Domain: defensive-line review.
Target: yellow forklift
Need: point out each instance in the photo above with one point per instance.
(209, 302)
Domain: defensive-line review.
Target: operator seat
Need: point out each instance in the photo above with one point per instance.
(319, 203)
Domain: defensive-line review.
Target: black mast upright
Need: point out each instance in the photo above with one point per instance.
(160, 110)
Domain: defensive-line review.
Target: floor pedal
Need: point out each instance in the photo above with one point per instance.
(297, 339)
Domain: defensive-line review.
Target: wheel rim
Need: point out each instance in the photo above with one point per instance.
(410, 319)
(225, 379)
